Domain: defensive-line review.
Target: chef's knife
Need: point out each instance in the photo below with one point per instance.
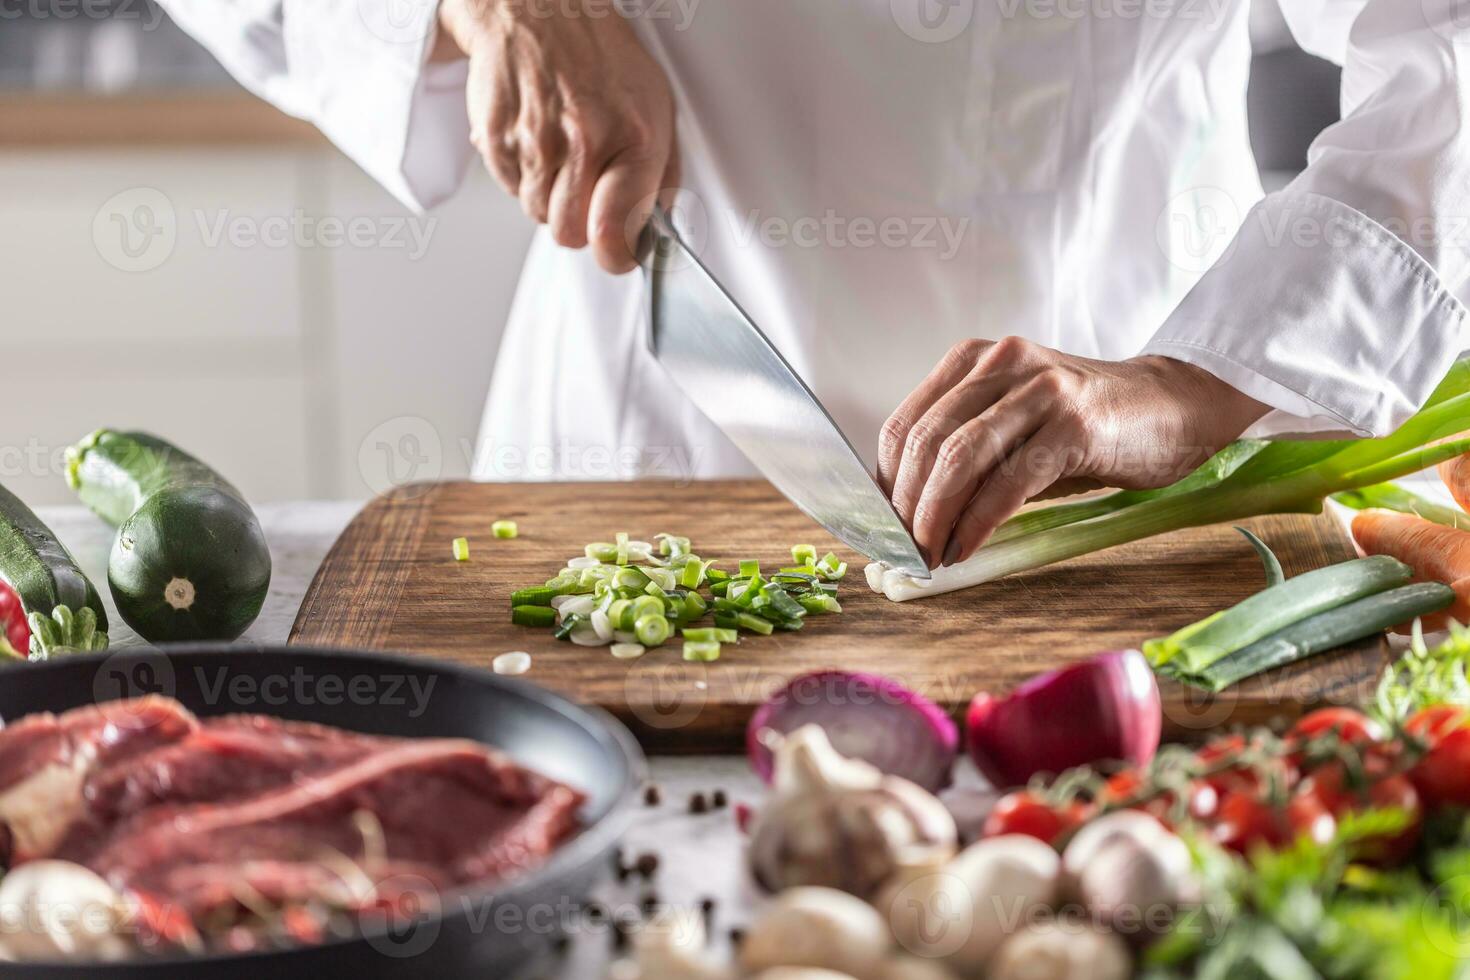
(738, 379)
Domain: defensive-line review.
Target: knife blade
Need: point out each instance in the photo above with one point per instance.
(734, 375)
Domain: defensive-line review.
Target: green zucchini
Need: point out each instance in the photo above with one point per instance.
(190, 561)
(62, 607)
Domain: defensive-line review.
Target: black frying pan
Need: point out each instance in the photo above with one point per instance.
(487, 933)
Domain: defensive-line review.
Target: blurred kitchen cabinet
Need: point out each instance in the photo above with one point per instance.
(269, 307)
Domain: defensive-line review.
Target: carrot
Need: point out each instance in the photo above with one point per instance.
(1456, 475)
(1435, 552)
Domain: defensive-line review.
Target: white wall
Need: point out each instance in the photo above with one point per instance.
(250, 335)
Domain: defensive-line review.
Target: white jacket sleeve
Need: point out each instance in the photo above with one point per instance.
(359, 70)
(1338, 302)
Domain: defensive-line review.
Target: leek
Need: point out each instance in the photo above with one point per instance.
(1195, 647)
(1249, 481)
(1325, 631)
(1391, 496)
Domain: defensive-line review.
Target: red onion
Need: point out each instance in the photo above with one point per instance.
(865, 717)
(1106, 708)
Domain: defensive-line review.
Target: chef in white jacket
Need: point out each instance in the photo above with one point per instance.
(1054, 201)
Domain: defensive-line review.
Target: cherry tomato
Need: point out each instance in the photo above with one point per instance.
(1025, 813)
(13, 627)
(1351, 726)
(1329, 785)
(1442, 776)
(1126, 785)
(1245, 821)
(1434, 723)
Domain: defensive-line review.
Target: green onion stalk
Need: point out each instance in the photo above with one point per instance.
(1247, 479)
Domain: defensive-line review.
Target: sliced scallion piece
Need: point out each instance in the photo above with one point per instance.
(712, 635)
(461, 549)
(804, 554)
(504, 529)
(652, 631)
(820, 604)
(701, 652)
(537, 596)
(628, 651)
(531, 615)
(750, 568)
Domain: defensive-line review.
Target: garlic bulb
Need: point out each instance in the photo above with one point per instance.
(1128, 870)
(840, 823)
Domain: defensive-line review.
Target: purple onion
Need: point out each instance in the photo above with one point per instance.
(866, 717)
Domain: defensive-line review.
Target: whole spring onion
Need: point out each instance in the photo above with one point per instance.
(1391, 496)
(1191, 650)
(1325, 631)
(1247, 479)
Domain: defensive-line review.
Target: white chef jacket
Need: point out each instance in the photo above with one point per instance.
(875, 180)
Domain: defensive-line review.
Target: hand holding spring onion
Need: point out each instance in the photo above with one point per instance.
(998, 424)
(1244, 480)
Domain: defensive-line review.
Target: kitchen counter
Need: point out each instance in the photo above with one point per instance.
(699, 854)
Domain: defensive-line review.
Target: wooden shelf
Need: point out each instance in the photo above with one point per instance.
(148, 119)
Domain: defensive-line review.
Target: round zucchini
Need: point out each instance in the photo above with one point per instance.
(62, 607)
(190, 561)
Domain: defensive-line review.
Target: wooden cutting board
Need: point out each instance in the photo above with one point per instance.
(391, 582)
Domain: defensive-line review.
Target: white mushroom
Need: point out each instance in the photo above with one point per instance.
(1061, 950)
(965, 909)
(56, 910)
(914, 968)
(1128, 870)
(816, 927)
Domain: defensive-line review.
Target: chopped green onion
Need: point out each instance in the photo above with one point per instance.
(694, 606)
(568, 624)
(831, 567)
(602, 551)
(538, 596)
(504, 529)
(461, 549)
(652, 631)
(647, 605)
(754, 624)
(750, 568)
(712, 635)
(820, 604)
(671, 544)
(533, 615)
(716, 574)
(628, 651)
(804, 554)
(693, 575)
(701, 652)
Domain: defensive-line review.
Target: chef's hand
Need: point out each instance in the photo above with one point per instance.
(570, 114)
(998, 424)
